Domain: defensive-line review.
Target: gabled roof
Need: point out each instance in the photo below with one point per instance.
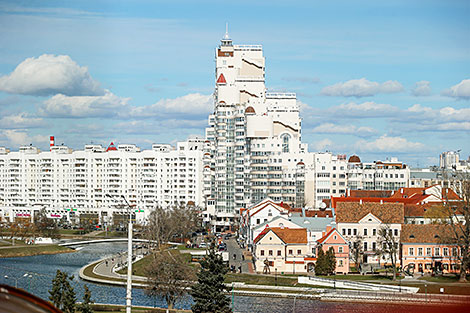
(329, 234)
(427, 233)
(111, 147)
(287, 235)
(350, 212)
(263, 204)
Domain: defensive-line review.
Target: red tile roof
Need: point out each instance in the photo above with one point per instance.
(426, 233)
(350, 212)
(287, 235)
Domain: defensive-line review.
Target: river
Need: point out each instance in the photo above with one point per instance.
(43, 268)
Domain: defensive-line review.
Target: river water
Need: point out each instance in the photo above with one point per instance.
(42, 268)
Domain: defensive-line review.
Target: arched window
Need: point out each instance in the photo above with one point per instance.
(285, 142)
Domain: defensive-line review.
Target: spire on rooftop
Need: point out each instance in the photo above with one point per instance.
(226, 41)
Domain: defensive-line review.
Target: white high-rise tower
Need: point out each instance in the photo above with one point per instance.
(253, 147)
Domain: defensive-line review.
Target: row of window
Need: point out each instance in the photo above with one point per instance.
(437, 251)
(271, 252)
(365, 232)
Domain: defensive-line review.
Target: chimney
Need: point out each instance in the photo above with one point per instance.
(401, 190)
(360, 201)
(52, 143)
(381, 201)
(303, 212)
(328, 228)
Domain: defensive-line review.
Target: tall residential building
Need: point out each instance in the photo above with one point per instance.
(379, 175)
(67, 182)
(253, 148)
(449, 159)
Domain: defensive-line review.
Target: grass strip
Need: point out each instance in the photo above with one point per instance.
(33, 250)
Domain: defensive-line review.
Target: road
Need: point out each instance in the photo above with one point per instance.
(234, 249)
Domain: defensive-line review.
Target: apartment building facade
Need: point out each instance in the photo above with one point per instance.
(69, 183)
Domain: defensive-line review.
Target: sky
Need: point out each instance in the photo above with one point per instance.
(378, 79)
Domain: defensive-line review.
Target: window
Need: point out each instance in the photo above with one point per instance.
(340, 263)
(446, 251)
(374, 232)
(285, 142)
(290, 252)
(299, 252)
(420, 251)
(340, 249)
(344, 231)
(261, 252)
(411, 251)
(257, 221)
(374, 246)
(355, 231)
(365, 231)
(437, 251)
(270, 252)
(454, 252)
(365, 246)
(428, 251)
(278, 252)
(349, 231)
(395, 231)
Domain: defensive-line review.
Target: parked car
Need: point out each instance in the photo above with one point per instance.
(203, 245)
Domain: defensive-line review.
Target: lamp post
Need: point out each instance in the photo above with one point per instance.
(129, 256)
(426, 292)
(30, 279)
(16, 280)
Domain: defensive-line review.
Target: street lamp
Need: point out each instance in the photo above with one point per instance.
(28, 276)
(16, 280)
(129, 256)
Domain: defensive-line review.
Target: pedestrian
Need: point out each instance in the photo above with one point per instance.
(106, 263)
(234, 256)
(240, 268)
(243, 257)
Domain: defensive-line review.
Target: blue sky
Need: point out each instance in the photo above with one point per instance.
(375, 78)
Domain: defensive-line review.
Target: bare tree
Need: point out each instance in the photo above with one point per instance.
(169, 276)
(47, 227)
(356, 252)
(159, 228)
(388, 246)
(458, 213)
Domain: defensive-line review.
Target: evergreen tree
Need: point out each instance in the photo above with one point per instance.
(321, 266)
(85, 307)
(331, 260)
(208, 292)
(62, 294)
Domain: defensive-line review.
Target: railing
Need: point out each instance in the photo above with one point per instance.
(399, 297)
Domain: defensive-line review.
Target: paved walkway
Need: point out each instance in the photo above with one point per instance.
(234, 250)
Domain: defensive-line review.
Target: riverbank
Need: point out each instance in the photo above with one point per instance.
(29, 250)
(99, 272)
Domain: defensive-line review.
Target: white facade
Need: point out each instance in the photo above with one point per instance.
(253, 148)
(379, 175)
(65, 181)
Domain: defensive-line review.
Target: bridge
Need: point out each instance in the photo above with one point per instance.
(87, 242)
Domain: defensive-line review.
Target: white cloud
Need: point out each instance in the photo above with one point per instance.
(194, 103)
(361, 88)
(389, 144)
(365, 109)
(330, 128)
(446, 114)
(49, 75)
(108, 105)
(459, 91)
(421, 88)
(18, 138)
(21, 120)
(322, 144)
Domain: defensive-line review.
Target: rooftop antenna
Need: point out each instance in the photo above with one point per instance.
(226, 31)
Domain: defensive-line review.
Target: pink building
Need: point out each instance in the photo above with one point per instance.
(428, 249)
(340, 245)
